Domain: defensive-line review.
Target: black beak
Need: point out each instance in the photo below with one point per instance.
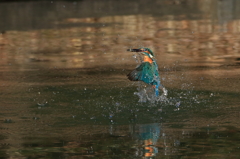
(135, 50)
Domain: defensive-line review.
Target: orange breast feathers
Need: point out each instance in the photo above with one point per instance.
(147, 59)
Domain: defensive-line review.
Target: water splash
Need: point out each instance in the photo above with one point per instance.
(146, 93)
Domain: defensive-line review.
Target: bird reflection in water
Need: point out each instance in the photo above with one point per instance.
(145, 138)
(149, 134)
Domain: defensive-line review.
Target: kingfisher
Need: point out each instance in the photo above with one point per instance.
(147, 71)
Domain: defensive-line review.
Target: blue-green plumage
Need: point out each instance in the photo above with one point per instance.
(147, 71)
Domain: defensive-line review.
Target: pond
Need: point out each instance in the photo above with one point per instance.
(65, 93)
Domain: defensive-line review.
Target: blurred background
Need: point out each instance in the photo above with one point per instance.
(64, 91)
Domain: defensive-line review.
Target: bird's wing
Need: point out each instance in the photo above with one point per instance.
(144, 72)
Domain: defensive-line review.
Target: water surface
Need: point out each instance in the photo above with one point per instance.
(65, 94)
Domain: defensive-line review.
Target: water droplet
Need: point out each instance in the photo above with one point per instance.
(178, 104)
(111, 115)
(8, 121)
(42, 104)
(35, 118)
(176, 109)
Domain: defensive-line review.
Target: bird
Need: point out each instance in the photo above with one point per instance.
(147, 71)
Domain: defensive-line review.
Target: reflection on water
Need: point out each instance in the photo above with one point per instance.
(149, 134)
(145, 138)
(65, 94)
(208, 39)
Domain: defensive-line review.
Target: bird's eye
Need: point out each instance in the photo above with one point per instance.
(143, 49)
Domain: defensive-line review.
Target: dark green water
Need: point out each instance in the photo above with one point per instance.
(65, 94)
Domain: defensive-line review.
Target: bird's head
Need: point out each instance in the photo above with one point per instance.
(143, 50)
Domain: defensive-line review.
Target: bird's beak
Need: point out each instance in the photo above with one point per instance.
(135, 50)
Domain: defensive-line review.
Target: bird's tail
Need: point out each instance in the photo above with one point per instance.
(156, 90)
